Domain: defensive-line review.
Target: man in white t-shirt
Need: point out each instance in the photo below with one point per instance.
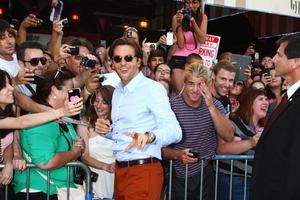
(8, 58)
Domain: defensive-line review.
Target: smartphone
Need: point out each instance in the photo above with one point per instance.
(56, 9)
(74, 50)
(103, 43)
(265, 72)
(169, 41)
(129, 34)
(74, 94)
(37, 79)
(195, 152)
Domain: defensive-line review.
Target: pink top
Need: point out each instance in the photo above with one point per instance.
(7, 140)
(189, 45)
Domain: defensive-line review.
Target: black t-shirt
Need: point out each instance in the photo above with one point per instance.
(225, 101)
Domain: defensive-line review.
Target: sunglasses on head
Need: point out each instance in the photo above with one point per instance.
(239, 83)
(35, 61)
(127, 58)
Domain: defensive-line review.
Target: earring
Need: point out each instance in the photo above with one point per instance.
(54, 97)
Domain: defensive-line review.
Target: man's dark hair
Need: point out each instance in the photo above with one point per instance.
(79, 41)
(27, 45)
(126, 41)
(193, 56)
(292, 50)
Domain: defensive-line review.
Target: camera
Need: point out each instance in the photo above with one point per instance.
(74, 51)
(64, 21)
(187, 14)
(255, 71)
(101, 78)
(86, 62)
(265, 71)
(151, 45)
(129, 34)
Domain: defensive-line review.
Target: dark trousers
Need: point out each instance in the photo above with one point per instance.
(10, 192)
(35, 196)
(193, 185)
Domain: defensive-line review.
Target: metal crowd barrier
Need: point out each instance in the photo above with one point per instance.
(88, 183)
(216, 159)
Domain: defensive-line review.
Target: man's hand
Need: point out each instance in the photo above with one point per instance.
(138, 140)
(92, 83)
(29, 21)
(207, 95)
(185, 156)
(57, 28)
(24, 76)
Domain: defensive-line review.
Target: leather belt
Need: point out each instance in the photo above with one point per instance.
(130, 163)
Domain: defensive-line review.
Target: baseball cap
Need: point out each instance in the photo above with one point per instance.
(4, 24)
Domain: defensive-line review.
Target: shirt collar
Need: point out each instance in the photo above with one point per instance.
(293, 89)
(133, 83)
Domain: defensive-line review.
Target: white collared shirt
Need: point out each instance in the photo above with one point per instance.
(293, 89)
(142, 105)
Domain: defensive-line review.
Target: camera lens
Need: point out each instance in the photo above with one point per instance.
(86, 62)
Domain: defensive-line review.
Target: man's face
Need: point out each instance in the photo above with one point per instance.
(192, 90)
(283, 65)
(32, 54)
(155, 61)
(7, 45)
(73, 62)
(223, 82)
(126, 70)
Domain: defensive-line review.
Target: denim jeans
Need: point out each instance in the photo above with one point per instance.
(237, 187)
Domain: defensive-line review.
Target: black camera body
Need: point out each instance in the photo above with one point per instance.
(86, 62)
(74, 51)
(187, 15)
(101, 78)
(255, 71)
(265, 71)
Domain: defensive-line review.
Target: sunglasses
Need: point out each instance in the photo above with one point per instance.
(35, 61)
(127, 58)
(239, 83)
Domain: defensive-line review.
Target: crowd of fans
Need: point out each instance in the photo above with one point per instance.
(217, 112)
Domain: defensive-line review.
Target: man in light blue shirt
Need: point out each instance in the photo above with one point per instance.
(142, 123)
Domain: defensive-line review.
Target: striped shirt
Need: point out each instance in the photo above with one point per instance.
(198, 132)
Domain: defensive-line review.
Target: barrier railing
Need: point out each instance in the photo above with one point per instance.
(85, 168)
(216, 159)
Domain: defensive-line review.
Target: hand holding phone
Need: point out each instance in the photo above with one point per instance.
(195, 152)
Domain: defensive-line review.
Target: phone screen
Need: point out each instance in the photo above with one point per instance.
(74, 94)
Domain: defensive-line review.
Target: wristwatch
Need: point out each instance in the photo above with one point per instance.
(151, 137)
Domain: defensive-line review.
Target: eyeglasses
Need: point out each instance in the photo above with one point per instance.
(35, 61)
(127, 58)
